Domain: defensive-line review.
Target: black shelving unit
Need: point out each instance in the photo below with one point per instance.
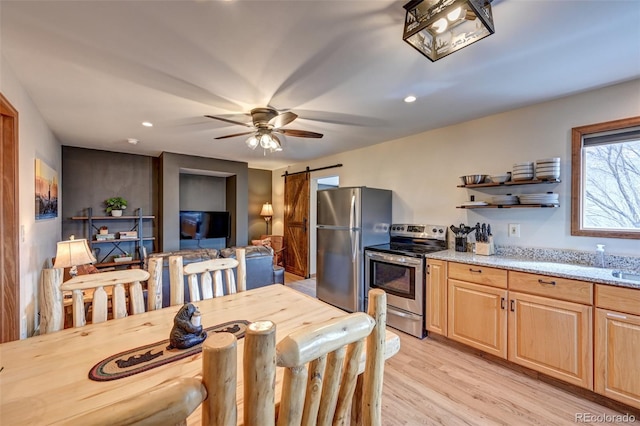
(115, 246)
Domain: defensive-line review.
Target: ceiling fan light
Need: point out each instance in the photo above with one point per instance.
(266, 140)
(252, 142)
(276, 146)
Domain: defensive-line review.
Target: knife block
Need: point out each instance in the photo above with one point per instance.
(486, 249)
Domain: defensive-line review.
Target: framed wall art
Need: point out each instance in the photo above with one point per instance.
(46, 191)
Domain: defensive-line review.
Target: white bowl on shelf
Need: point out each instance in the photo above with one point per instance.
(500, 178)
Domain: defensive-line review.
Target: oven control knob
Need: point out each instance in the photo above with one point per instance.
(441, 230)
(434, 230)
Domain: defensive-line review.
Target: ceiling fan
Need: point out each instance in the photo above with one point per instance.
(266, 122)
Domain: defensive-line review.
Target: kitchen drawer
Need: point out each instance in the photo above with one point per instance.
(478, 274)
(618, 299)
(554, 287)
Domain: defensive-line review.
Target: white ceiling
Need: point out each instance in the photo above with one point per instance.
(97, 69)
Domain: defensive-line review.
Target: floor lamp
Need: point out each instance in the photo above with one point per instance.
(267, 213)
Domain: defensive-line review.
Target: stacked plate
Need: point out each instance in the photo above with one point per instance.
(504, 200)
(474, 203)
(522, 171)
(548, 168)
(548, 198)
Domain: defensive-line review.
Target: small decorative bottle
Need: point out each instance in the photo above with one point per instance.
(600, 255)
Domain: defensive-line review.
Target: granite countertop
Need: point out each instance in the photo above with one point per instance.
(563, 270)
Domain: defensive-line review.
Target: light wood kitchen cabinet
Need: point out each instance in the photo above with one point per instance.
(478, 274)
(436, 297)
(554, 287)
(617, 341)
(477, 316)
(551, 336)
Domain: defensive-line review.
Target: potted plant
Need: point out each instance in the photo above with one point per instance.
(115, 205)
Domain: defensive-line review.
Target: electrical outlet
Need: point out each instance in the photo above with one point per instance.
(514, 230)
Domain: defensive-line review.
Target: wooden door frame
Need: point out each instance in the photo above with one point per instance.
(9, 242)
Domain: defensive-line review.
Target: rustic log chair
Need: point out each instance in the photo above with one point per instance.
(322, 362)
(90, 286)
(211, 277)
(277, 244)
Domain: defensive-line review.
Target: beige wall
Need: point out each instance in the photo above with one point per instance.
(423, 170)
(38, 238)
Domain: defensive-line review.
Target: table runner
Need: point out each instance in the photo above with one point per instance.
(143, 358)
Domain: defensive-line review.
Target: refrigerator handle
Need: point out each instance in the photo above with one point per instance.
(354, 245)
(352, 212)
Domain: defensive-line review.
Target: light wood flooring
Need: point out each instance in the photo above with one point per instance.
(438, 382)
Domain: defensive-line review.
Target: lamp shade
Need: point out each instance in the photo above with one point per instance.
(437, 28)
(267, 210)
(73, 253)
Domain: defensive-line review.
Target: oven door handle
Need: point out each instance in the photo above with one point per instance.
(394, 259)
(396, 312)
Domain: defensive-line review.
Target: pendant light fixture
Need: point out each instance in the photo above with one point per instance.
(437, 28)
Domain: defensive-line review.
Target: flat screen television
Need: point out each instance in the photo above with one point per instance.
(199, 225)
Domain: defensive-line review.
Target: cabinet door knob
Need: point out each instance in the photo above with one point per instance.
(475, 270)
(502, 303)
(547, 282)
(513, 305)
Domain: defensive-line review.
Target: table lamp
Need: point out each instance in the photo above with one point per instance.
(72, 253)
(267, 212)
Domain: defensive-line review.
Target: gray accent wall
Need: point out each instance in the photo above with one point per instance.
(91, 176)
(236, 195)
(162, 186)
(259, 193)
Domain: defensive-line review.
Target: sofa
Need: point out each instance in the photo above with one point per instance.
(259, 259)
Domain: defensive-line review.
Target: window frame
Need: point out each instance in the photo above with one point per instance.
(577, 135)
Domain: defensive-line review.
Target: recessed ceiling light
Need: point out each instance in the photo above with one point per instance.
(133, 141)
(410, 99)
(147, 124)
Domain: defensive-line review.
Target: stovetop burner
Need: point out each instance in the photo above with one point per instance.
(414, 240)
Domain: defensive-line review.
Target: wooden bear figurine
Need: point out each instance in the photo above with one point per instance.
(184, 333)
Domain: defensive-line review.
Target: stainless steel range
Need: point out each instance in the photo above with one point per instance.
(399, 267)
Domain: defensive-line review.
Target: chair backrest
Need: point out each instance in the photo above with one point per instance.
(210, 273)
(277, 244)
(82, 286)
(169, 403)
(321, 368)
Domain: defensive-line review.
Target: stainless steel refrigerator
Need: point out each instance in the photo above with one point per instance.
(348, 219)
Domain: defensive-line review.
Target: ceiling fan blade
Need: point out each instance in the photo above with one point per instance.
(234, 135)
(299, 133)
(283, 119)
(230, 121)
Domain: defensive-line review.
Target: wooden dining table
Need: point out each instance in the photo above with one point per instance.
(44, 379)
